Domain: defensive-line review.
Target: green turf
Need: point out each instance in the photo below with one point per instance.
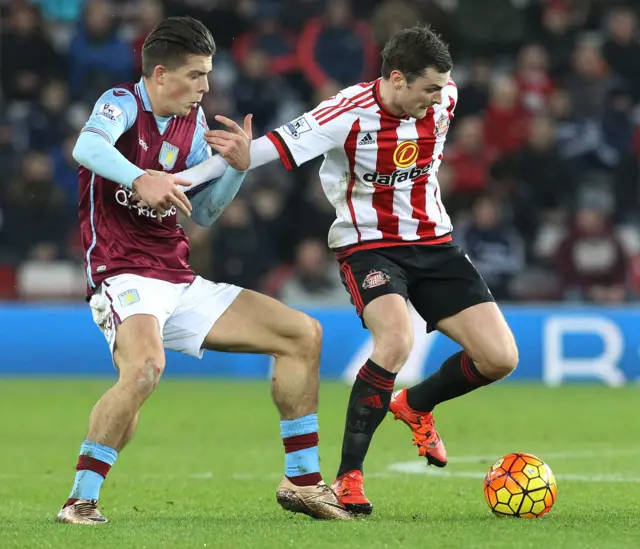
(203, 469)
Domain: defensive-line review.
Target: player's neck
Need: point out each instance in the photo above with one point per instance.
(386, 98)
(153, 99)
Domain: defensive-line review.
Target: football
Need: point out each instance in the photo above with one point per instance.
(520, 485)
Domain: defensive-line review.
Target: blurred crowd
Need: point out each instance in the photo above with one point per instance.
(541, 171)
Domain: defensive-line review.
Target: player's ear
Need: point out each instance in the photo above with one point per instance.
(397, 79)
(159, 74)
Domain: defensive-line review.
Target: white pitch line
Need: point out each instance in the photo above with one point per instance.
(420, 467)
(553, 455)
(399, 468)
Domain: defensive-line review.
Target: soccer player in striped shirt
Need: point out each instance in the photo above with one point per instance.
(142, 292)
(383, 143)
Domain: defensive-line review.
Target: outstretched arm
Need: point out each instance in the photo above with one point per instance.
(261, 151)
(214, 182)
(296, 142)
(208, 205)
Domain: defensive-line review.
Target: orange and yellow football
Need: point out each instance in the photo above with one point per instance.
(520, 485)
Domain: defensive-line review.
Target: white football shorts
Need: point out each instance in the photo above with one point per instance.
(185, 312)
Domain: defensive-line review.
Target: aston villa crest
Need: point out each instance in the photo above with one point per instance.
(168, 155)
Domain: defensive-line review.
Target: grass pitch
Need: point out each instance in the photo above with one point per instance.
(203, 469)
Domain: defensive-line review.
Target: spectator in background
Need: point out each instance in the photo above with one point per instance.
(556, 33)
(627, 189)
(591, 263)
(617, 125)
(475, 91)
(267, 207)
(150, 13)
(65, 171)
(311, 213)
(47, 124)
(392, 16)
(587, 83)
(539, 181)
(441, 17)
(336, 50)
(621, 50)
(269, 36)
(36, 223)
(99, 58)
(241, 253)
(27, 55)
(224, 18)
(446, 176)
(598, 141)
(214, 103)
(60, 10)
(506, 121)
(7, 153)
(315, 280)
(532, 78)
(297, 13)
(495, 247)
(489, 27)
(470, 160)
(258, 92)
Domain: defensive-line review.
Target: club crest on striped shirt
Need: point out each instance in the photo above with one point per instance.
(375, 278)
(442, 125)
(168, 155)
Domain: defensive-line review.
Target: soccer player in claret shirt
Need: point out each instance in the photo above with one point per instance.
(382, 143)
(143, 295)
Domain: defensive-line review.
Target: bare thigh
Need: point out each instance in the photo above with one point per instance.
(138, 350)
(256, 323)
(484, 333)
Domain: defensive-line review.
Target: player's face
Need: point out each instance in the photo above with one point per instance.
(416, 97)
(183, 87)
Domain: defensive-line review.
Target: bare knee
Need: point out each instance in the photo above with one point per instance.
(392, 350)
(139, 355)
(141, 376)
(499, 361)
(305, 341)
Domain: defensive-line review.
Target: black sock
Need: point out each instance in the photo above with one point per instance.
(368, 404)
(457, 376)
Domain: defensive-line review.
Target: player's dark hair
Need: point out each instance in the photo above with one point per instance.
(412, 51)
(173, 40)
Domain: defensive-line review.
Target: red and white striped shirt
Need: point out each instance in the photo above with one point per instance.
(379, 170)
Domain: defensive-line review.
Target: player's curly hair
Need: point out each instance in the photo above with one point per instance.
(173, 40)
(412, 51)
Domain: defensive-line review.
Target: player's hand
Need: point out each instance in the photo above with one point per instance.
(135, 197)
(160, 190)
(234, 144)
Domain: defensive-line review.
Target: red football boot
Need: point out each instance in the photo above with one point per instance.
(423, 427)
(350, 492)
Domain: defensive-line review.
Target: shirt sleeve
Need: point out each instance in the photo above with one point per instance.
(315, 133)
(96, 154)
(113, 114)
